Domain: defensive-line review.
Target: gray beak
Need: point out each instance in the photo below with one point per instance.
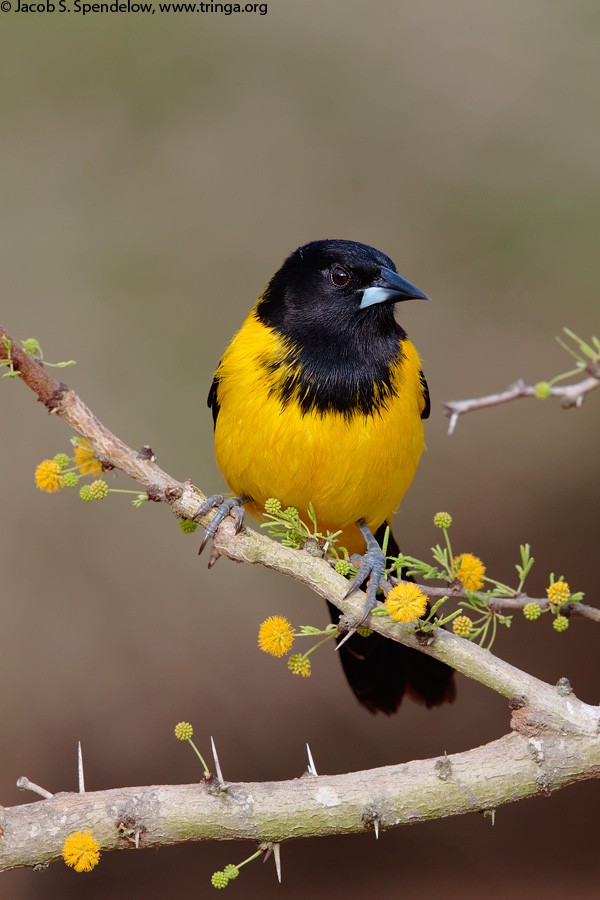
(390, 286)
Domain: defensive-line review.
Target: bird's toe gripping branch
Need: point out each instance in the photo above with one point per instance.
(233, 506)
(371, 567)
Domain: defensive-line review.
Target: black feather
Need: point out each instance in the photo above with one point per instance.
(213, 401)
(427, 407)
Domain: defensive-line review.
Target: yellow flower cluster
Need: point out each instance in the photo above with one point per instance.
(48, 476)
(558, 593)
(81, 850)
(406, 602)
(275, 635)
(85, 460)
(470, 570)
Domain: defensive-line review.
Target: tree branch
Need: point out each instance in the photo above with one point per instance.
(558, 743)
(509, 769)
(572, 394)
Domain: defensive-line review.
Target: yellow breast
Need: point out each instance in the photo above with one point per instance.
(348, 467)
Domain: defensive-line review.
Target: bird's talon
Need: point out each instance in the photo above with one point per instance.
(224, 508)
(371, 566)
(209, 503)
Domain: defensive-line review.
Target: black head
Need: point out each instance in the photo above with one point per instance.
(333, 303)
(334, 284)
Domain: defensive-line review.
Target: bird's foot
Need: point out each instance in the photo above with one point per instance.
(233, 506)
(371, 566)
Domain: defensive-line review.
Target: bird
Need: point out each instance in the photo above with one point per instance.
(319, 400)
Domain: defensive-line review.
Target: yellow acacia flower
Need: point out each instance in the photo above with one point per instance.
(558, 593)
(275, 635)
(470, 571)
(85, 460)
(81, 851)
(48, 477)
(406, 602)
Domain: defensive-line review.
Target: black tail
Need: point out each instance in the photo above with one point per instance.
(380, 671)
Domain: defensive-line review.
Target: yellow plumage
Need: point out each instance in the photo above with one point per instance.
(349, 466)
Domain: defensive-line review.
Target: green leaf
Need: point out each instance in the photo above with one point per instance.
(31, 346)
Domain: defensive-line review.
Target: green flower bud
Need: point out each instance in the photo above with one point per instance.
(299, 665)
(442, 520)
(462, 626)
(98, 490)
(219, 880)
(542, 390)
(342, 567)
(184, 731)
(188, 526)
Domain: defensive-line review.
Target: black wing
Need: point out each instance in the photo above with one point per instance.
(212, 399)
(426, 408)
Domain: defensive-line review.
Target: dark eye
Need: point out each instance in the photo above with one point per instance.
(339, 276)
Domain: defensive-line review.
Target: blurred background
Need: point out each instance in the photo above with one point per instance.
(155, 172)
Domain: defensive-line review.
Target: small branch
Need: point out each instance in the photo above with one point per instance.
(24, 784)
(572, 395)
(509, 769)
(108, 448)
(518, 602)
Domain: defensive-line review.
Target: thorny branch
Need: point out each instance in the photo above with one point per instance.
(556, 740)
(572, 395)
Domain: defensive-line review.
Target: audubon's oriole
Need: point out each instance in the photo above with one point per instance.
(319, 399)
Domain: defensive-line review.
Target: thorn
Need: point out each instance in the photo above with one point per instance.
(344, 639)
(311, 765)
(452, 425)
(80, 768)
(277, 856)
(137, 839)
(376, 827)
(216, 759)
(214, 556)
(24, 784)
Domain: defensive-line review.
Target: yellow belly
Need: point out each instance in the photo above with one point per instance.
(348, 468)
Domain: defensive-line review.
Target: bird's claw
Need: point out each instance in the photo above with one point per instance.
(233, 506)
(372, 567)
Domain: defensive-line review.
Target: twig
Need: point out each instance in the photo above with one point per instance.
(572, 394)
(24, 784)
(518, 602)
